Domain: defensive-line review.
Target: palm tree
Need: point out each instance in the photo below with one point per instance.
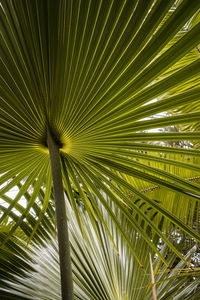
(77, 83)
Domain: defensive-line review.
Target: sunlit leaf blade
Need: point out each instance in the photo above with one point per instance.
(97, 74)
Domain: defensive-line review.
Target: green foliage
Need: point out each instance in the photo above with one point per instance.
(88, 71)
(99, 272)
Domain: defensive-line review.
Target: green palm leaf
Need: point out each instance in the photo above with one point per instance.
(98, 271)
(85, 72)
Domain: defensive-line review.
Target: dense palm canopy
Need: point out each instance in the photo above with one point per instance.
(87, 71)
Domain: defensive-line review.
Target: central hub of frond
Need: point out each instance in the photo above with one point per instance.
(55, 136)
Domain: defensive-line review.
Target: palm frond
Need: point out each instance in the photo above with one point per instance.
(99, 272)
(87, 71)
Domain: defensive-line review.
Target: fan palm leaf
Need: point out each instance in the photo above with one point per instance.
(99, 272)
(82, 75)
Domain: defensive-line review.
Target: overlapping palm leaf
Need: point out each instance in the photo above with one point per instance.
(99, 272)
(87, 71)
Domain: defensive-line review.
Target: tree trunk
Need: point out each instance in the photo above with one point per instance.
(61, 221)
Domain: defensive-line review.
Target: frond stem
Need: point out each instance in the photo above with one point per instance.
(61, 220)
